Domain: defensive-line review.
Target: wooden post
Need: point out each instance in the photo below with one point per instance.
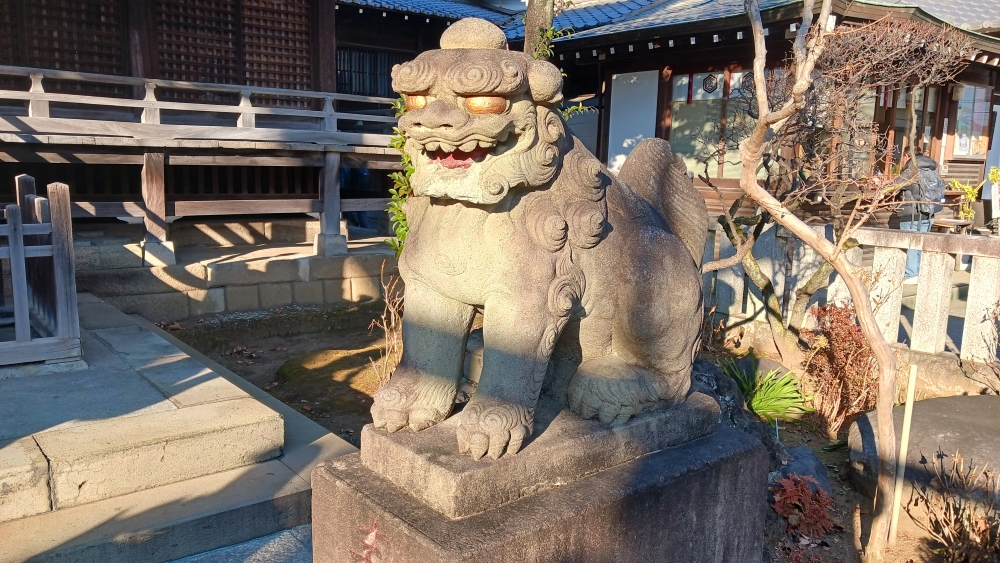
(139, 42)
(150, 114)
(246, 119)
(329, 122)
(664, 103)
(329, 241)
(18, 275)
(325, 54)
(63, 262)
(37, 108)
(154, 196)
(25, 187)
(330, 184)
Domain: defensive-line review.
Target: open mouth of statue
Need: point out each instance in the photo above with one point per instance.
(462, 154)
(457, 158)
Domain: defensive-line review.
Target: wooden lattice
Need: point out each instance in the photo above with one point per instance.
(241, 182)
(82, 36)
(9, 33)
(197, 41)
(276, 44)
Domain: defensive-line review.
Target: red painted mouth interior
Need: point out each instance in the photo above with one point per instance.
(458, 159)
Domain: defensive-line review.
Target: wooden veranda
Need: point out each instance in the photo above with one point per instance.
(245, 151)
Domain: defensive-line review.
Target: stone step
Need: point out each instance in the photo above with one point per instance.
(140, 415)
(167, 522)
(182, 518)
(123, 455)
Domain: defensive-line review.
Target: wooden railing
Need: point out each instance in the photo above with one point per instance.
(150, 118)
(39, 236)
(158, 134)
(790, 264)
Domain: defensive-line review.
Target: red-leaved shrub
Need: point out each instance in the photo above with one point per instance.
(807, 512)
(841, 367)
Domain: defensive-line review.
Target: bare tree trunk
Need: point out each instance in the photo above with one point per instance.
(537, 18)
(806, 51)
(911, 135)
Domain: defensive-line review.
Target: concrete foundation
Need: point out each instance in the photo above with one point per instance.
(699, 502)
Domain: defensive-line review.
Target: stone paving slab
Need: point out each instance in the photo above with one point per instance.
(95, 316)
(61, 400)
(186, 382)
(289, 546)
(137, 346)
(24, 488)
(100, 358)
(167, 522)
(115, 457)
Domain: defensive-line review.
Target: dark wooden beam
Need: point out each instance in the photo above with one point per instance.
(314, 161)
(325, 46)
(664, 103)
(140, 40)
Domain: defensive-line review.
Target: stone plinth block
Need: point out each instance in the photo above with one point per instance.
(330, 245)
(565, 447)
(699, 502)
(158, 254)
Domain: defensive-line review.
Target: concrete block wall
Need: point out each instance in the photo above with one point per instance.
(190, 290)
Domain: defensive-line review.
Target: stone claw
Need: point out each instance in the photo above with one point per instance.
(412, 400)
(613, 392)
(492, 429)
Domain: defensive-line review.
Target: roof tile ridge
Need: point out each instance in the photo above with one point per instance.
(655, 4)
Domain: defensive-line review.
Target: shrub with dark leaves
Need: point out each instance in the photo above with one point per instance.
(805, 508)
(841, 367)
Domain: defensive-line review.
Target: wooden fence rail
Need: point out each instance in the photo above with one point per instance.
(39, 236)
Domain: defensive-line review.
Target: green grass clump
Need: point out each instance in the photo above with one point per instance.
(768, 395)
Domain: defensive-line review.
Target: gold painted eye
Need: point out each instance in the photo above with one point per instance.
(486, 104)
(415, 102)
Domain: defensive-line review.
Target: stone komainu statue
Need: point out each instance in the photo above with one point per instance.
(588, 283)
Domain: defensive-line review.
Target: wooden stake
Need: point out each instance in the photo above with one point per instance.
(901, 460)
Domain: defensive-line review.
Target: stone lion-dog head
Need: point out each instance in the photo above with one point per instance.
(479, 119)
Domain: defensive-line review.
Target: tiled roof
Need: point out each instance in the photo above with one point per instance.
(438, 8)
(586, 14)
(604, 17)
(675, 12)
(981, 15)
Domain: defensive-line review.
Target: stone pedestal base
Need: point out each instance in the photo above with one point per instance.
(330, 245)
(699, 502)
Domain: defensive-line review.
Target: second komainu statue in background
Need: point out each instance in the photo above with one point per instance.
(589, 284)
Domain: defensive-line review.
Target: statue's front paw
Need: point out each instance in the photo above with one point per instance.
(613, 391)
(492, 427)
(412, 400)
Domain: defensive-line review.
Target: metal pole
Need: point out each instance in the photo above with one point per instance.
(901, 460)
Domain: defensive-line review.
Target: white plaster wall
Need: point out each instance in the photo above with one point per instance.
(584, 126)
(633, 114)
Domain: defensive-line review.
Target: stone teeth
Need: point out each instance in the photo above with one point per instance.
(432, 146)
(485, 144)
(447, 148)
(468, 147)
